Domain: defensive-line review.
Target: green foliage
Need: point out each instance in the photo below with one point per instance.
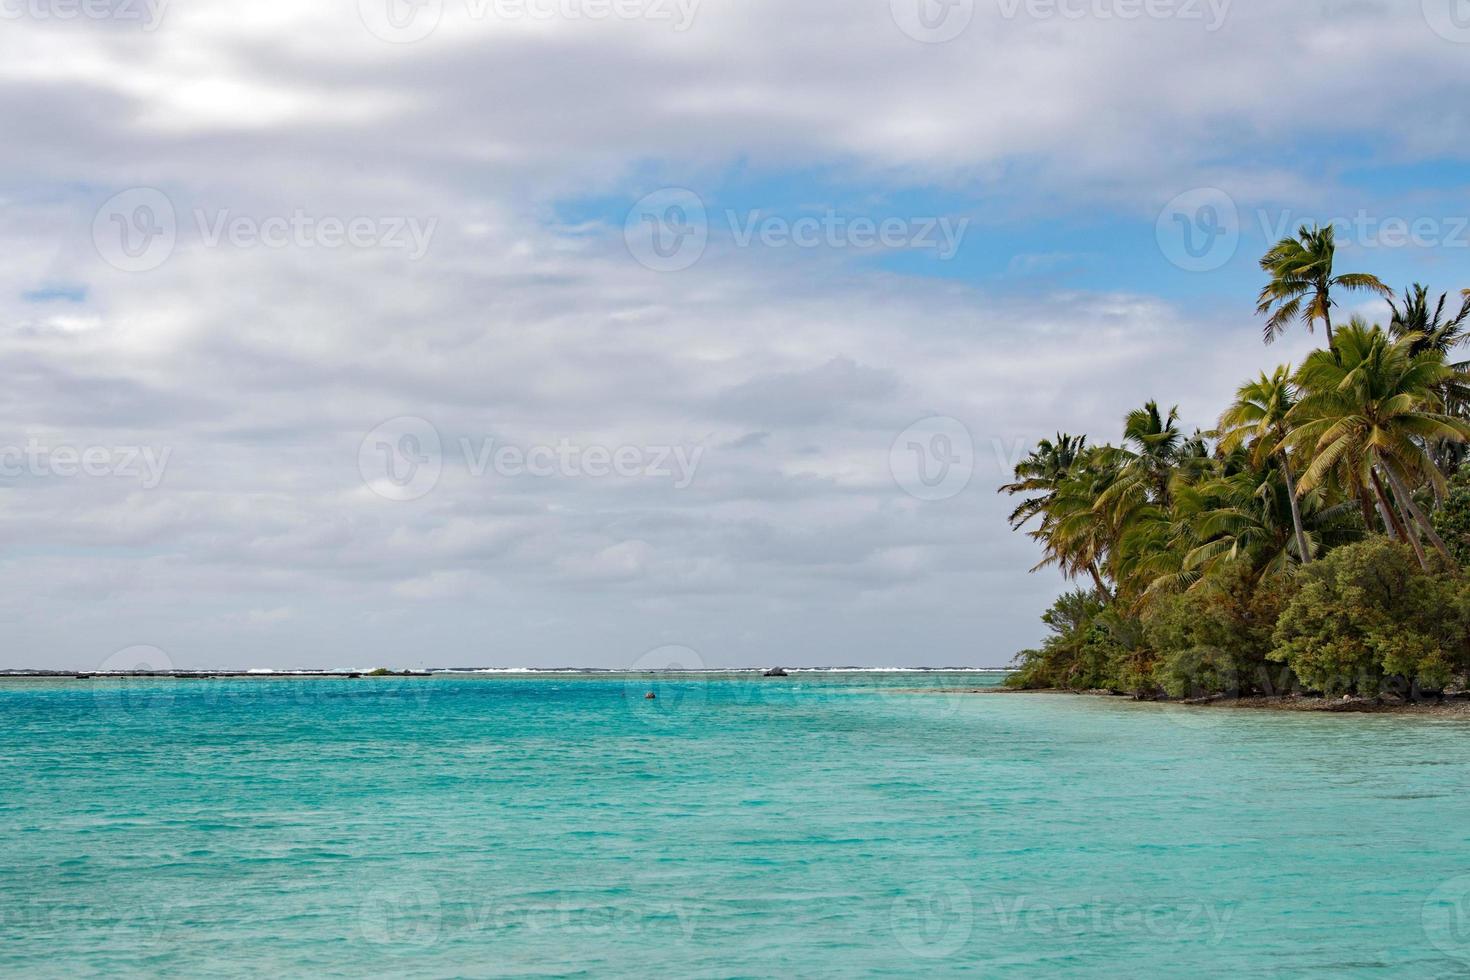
(380, 672)
(1203, 550)
(1368, 618)
(1216, 640)
(1092, 646)
(1452, 520)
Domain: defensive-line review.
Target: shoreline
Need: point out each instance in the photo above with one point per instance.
(1452, 705)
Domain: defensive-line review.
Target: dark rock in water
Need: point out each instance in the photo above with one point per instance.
(350, 676)
(776, 672)
(649, 696)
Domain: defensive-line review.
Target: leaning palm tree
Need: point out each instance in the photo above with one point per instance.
(1257, 419)
(1074, 536)
(1040, 474)
(1370, 406)
(1302, 282)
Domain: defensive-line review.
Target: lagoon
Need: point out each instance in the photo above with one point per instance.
(826, 824)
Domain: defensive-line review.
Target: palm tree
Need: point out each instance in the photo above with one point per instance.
(1152, 448)
(1413, 315)
(1370, 405)
(1258, 417)
(1073, 535)
(1302, 282)
(1042, 473)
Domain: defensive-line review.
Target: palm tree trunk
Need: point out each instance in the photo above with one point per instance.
(1408, 533)
(1366, 507)
(1406, 500)
(1296, 512)
(1102, 590)
(1327, 319)
(1390, 516)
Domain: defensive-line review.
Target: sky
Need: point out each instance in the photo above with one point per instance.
(627, 333)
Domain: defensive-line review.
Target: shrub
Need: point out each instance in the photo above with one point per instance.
(1452, 519)
(1366, 618)
(1215, 639)
(1091, 645)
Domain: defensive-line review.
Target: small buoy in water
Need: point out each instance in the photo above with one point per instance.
(649, 696)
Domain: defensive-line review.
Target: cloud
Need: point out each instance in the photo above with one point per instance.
(261, 369)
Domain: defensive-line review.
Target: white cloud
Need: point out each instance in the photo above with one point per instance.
(262, 369)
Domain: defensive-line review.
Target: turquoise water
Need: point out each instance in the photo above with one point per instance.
(825, 825)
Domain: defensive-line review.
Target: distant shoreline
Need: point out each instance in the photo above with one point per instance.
(1452, 705)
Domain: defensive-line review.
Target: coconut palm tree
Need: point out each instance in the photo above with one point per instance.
(1073, 535)
(1257, 419)
(1041, 473)
(1413, 315)
(1370, 405)
(1302, 282)
(1152, 447)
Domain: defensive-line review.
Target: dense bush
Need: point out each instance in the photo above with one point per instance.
(1092, 646)
(1452, 519)
(1367, 618)
(1217, 639)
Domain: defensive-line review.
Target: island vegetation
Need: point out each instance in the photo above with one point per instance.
(1313, 540)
